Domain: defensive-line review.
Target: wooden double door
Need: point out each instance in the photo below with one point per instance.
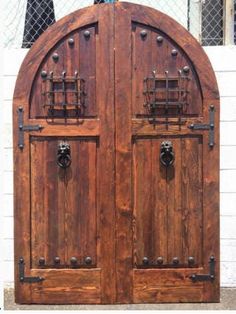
(116, 148)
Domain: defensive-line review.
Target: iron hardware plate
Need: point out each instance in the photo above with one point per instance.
(167, 155)
(205, 277)
(209, 126)
(24, 128)
(64, 155)
(22, 277)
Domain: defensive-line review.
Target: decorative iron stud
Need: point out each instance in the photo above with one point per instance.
(44, 74)
(71, 42)
(57, 260)
(159, 39)
(160, 260)
(41, 261)
(174, 52)
(191, 260)
(145, 260)
(55, 57)
(73, 260)
(87, 34)
(143, 33)
(186, 69)
(175, 261)
(88, 260)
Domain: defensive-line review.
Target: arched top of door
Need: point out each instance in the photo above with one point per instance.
(142, 15)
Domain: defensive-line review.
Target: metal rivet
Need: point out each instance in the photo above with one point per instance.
(57, 260)
(73, 260)
(193, 277)
(160, 260)
(212, 277)
(212, 107)
(159, 39)
(175, 260)
(71, 41)
(44, 74)
(21, 260)
(186, 69)
(20, 108)
(55, 57)
(87, 34)
(191, 260)
(211, 144)
(88, 260)
(145, 261)
(191, 126)
(41, 261)
(21, 146)
(212, 258)
(143, 33)
(174, 52)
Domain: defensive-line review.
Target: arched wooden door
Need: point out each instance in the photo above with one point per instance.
(116, 143)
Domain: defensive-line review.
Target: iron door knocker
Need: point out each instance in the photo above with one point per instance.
(167, 156)
(63, 155)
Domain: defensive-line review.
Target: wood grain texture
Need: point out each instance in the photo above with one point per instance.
(116, 203)
(123, 161)
(168, 202)
(68, 213)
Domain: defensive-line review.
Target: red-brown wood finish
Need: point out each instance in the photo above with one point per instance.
(116, 203)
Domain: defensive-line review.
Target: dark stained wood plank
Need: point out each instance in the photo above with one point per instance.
(87, 67)
(174, 205)
(80, 206)
(192, 237)
(106, 156)
(166, 285)
(211, 208)
(159, 208)
(143, 201)
(141, 66)
(123, 159)
(109, 189)
(71, 286)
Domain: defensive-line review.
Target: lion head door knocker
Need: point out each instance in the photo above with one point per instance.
(63, 155)
(167, 155)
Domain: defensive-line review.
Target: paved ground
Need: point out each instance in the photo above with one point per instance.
(228, 302)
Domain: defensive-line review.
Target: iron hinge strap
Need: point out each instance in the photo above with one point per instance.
(22, 277)
(23, 128)
(205, 277)
(209, 126)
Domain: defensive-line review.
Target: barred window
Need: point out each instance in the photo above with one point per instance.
(208, 20)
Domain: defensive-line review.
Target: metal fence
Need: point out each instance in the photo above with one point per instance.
(25, 20)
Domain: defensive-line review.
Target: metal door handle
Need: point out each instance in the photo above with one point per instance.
(64, 155)
(167, 155)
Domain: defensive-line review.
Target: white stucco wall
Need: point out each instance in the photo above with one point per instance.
(224, 63)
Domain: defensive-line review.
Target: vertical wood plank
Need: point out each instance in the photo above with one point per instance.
(174, 210)
(87, 67)
(143, 204)
(106, 158)
(159, 205)
(123, 162)
(192, 235)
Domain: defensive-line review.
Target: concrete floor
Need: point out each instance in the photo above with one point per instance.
(228, 302)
